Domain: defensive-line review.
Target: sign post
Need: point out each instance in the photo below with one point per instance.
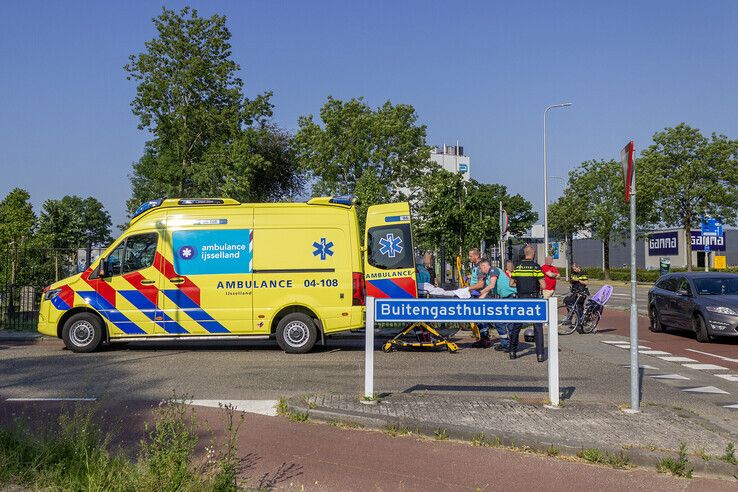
(369, 351)
(710, 228)
(553, 351)
(627, 161)
(523, 311)
(503, 232)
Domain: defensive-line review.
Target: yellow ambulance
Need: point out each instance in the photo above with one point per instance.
(217, 269)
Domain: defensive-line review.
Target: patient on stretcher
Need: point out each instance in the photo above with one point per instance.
(431, 290)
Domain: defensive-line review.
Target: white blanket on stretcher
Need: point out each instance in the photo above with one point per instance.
(437, 291)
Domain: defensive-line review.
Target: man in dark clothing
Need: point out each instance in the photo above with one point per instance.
(529, 281)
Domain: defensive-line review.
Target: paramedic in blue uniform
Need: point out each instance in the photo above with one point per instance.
(498, 285)
(529, 281)
(488, 277)
(476, 279)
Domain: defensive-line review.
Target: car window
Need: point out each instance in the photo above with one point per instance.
(140, 251)
(716, 286)
(669, 284)
(683, 284)
(114, 260)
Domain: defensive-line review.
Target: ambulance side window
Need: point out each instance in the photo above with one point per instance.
(140, 252)
(389, 247)
(114, 260)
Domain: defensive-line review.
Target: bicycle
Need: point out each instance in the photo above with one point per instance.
(582, 316)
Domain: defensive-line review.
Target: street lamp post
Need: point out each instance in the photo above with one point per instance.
(566, 242)
(545, 176)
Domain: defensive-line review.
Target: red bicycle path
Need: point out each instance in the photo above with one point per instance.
(676, 342)
(280, 454)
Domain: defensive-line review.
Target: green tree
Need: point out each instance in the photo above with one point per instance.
(688, 176)
(378, 155)
(17, 219)
(209, 140)
(463, 213)
(74, 222)
(594, 201)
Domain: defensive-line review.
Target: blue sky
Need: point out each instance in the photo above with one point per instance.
(480, 72)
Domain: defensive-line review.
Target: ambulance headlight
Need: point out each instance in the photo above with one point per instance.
(52, 293)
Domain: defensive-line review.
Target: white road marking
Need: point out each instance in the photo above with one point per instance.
(628, 346)
(677, 359)
(705, 367)
(733, 378)
(653, 352)
(727, 359)
(730, 406)
(51, 399)
(262, 407)
(615, 342)
(670, 376)
(707, 389)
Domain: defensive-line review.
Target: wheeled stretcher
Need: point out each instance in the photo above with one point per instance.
(421, 334)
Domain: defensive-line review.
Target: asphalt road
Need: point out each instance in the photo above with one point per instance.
(590, 371)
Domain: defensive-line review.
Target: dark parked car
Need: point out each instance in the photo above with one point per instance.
(706, 303)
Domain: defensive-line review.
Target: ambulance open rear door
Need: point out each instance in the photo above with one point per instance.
(389, 258)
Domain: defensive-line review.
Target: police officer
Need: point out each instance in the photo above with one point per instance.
(529, 281)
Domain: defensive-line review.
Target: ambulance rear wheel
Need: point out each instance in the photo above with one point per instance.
(82, 333)
(296, 333)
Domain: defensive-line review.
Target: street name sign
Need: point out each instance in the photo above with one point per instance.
(462, 310)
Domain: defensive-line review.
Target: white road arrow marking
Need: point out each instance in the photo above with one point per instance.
(677, 359)
(671, 376)
(705, 367)
(707, 389)
(727, 359)
(729, 377)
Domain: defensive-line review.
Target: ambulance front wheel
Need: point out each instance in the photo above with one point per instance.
(82, 332)
(296, 333)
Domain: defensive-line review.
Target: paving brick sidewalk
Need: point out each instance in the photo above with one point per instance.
(646, 437)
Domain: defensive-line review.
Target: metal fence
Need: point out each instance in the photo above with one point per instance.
(24, 272)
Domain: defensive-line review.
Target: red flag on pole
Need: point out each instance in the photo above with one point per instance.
(626, 160)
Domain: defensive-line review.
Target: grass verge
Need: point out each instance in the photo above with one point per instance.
(74, 452)
(678, 467)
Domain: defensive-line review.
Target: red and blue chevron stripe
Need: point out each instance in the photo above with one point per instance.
(392, 288)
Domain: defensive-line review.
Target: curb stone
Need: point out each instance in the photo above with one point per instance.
(22, 336)
(638, 457)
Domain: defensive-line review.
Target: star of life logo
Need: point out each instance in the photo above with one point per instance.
(187, 252)
(390, 245)
(323, 248)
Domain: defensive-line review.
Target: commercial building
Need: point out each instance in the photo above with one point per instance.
(672, 244)
(452, 158)
(654, 245)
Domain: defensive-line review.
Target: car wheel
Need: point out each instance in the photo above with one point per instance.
(700, 329)
(296, 333)
(655, 325)
(82, 333)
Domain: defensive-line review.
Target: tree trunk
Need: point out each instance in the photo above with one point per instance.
(606, 257)
(688, 233)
